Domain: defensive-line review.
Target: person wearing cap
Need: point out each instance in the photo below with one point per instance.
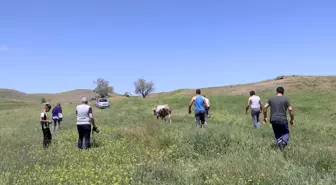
(45, 124)
(57, 116)
(84, 120)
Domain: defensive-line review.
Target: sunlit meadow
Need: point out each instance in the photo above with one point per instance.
(135, 148)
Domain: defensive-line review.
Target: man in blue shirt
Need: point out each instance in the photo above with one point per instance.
(200, 108)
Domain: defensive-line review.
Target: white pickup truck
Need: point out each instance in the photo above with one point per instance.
(102, 103)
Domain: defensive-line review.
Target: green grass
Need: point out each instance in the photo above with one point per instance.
(135, 148)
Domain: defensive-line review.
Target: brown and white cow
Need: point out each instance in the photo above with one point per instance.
(163, 111)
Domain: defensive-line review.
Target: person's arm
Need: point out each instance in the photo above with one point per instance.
(191, 103)
(261, 107)
(61, 110)
(291, 112)
(248, 105)
(91, 117)
(265, 110)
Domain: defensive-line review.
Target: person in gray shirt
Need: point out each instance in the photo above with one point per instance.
(84, 120)
(279, 105)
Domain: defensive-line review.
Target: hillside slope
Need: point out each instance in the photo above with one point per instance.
(68, 96)
(290, 83)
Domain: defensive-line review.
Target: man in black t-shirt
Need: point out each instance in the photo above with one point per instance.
(279, 105)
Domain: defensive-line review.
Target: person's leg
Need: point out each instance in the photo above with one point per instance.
(197, 119)
(49, 137)
(87, 132)
(44, 137)
(276, 130)
(80, 136)
(55, 125)
(59, 123)
(202, 118)
(255, 117)
(283, 140)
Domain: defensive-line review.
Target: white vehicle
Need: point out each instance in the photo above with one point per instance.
(102, 103)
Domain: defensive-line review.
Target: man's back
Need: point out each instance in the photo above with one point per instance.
(279, 106)
(83, 112)
(255, 101)
(199, 103)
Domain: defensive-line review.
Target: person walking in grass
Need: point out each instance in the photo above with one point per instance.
(84, 120)
(200, 108)
(279, 105)
(45, 124)
(57, 116)
(207, 108)
(255, 103)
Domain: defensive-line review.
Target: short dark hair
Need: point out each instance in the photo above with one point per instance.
(280, 90)
(198, 91)
(48, 106)
(252, 93)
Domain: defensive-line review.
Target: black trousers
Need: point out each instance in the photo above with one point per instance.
(84, 132)
(46, 137)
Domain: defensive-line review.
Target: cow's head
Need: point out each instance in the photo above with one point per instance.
(154, 111)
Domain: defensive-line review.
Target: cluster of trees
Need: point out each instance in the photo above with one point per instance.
(141, 87)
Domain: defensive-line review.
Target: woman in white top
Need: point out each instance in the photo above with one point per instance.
(255, 103)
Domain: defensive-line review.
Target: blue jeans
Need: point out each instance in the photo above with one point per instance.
(281, 131)
(84, 131)
(255, 117)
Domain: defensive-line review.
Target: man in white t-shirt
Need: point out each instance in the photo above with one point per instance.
(208, 108)
(255, 103)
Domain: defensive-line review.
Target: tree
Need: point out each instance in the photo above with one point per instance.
(103, 88)
(43, 100)
(144, 88)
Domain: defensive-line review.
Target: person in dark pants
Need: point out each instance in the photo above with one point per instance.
(57, 116)
(279, 105)
(200, 108)
(255, 103)
(45, 124)
(84, 120)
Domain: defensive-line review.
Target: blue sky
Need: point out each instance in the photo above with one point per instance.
(55, 46)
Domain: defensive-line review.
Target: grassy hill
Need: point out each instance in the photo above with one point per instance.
(135, 148)
(69, 96)
(290, 83)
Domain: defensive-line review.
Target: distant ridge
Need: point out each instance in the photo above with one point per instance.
(291, 83)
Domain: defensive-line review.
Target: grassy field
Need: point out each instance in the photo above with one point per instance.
(135, 148)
